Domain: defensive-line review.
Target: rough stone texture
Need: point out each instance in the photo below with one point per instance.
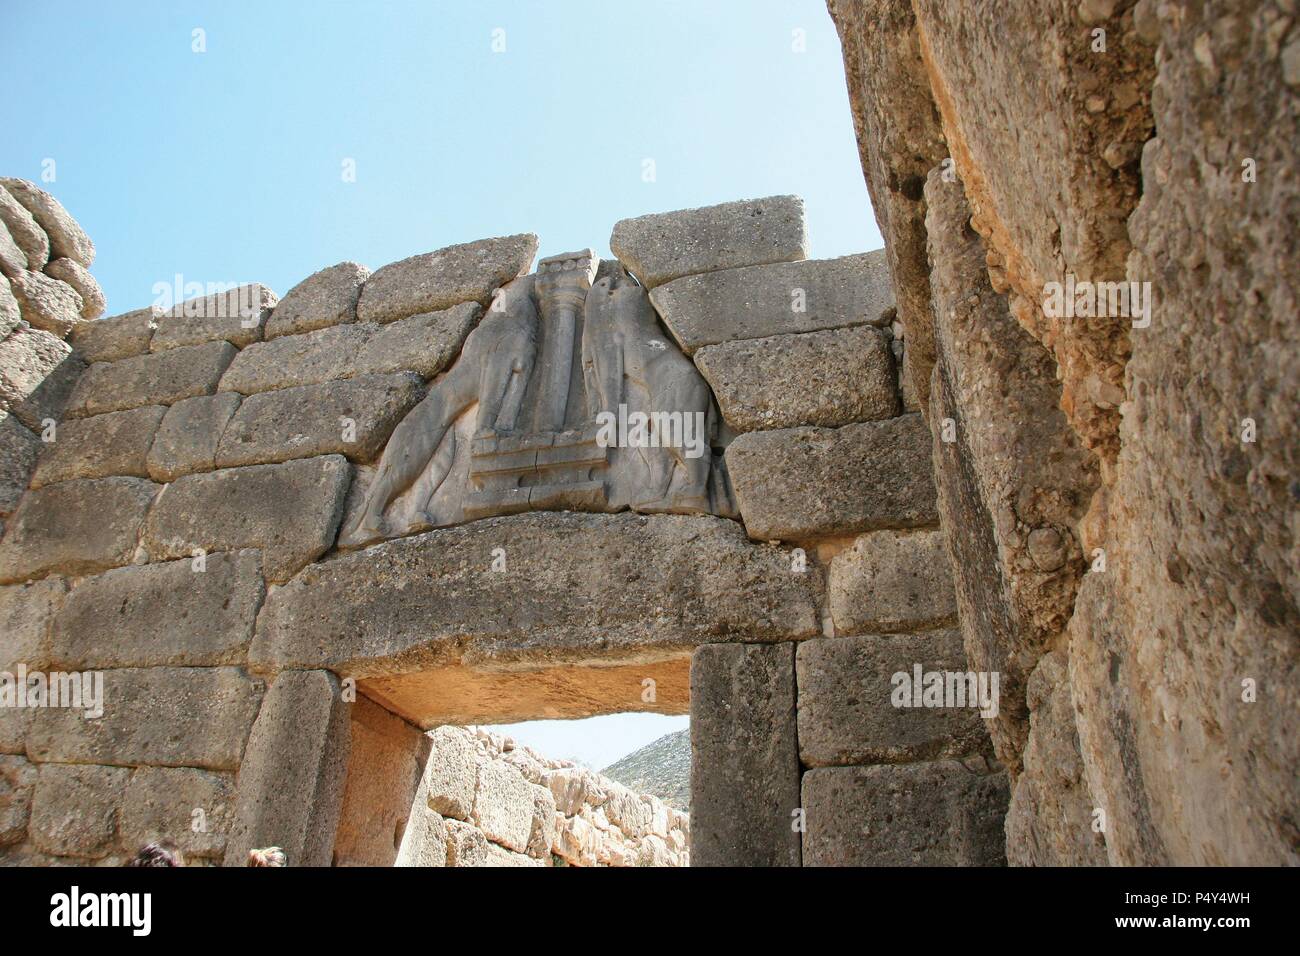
(18, 452)
(826, 378)
(24, 231)
(324, 298)
(67, 239)
(503, 805)
(290, 511)
(116, 336)
(924, 814)
(26, 611)
(37, 374)
(352, 418)
(115, 443)
(76, 527)
(162, 614)
(10, 312)
(17, 784)
(451, 775)
(846, 701)
(424, 343)
(575, 585)
(188, 436)
(425, 841)
(761, 301)
(156, 379)
(161, 803)
(666, 246)
(289, 361)
(75, 810)
(438, 280)
(744, 756)
(73, 274)
(157, 716)
(12, 259)
(47, 304)
(235, 316)
(466, 845)
(804, 482)
(290, 787)
(892, 581)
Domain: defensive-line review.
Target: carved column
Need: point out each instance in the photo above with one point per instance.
(562, 284)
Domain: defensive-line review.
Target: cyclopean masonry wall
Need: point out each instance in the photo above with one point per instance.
(294, 533)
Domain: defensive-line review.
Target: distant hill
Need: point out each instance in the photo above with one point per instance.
(661, 769)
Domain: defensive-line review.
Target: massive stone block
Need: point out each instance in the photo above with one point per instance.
(37, 374)
(10, 313)
(75, 809)
(503, 805)
(290, 788)
(17, 784)
(827, 378)
(172, 614)
(447, 277)
(292, 360)
(761, 301)
(116, 443)
(76, 527)
(744, 756)
(235, 316)
(327, 297)
(290, 511)
(160, 803)
(804, 482)
(160, 378)
(156, 716)
(116, 336)
(18, 452)
(47, 304)
(451, 773)
(922, 814)
(25, 615)
(424, 343)
(24, 230)
(188, 436)
(666, 246)
(67, 239)
(848, 696)
(352, 418)
(892, 581)
(73, 274)
(575, 587)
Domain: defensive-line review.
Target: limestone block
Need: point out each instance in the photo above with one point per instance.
(575, 840)
(67, 239)
(75, 809)
(666, 246)
(24, 231)
(744, 755)
(803, 482)
(292, 360)
(159, 716)
(235, 316)
(575, 788)
(155, 379)
(576, 587)
(451, 775)
(161, 803)
(503, 805)
(424, 343)
(37, 374)
(73, 274)
(115, 337)
(17, 785)
(115, 443)
(828, 378)
(542, 832)
(466, 844)
(10, 311)
(289, 511)
(290, 787)
(77, 527)
(425, 840)
(438, 280)
(630, 813)
(923, 814)
(12, 258)
(352, 418)
(188, 436)
(26, 611)
(18, 452)
(324, 298)
(47, 304)
(162, 614)
(892, 581)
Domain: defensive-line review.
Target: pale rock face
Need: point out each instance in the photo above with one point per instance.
(67, 239)
(76, 276)
(325, 298)
(47, 303)
(115, 337)
(23, 229)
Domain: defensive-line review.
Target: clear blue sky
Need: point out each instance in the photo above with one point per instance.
(226, 166)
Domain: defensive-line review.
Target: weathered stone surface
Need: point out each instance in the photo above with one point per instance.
(235, 316)
(542, 834)
(18, 452)
(778, 299)
(294, 360)
(26, 611)
(744, 756)
(290, 788)
(803, 482)
(451, 774)
(77, 527)
(289, 511)
(424, 343)
(24, 231)
(10, 312)
(659, 248)
(503, 805)
(161, 803)
(37, 374)
(75, 809)
(576, 585)
(115, 443)
(924, 814)
(162, 614)
(827, 378)
(188, 436)
(500, 856)
(466, 845)
(17, 785)
(324, 298)
(12, 259)
(425, 841)
(438, 280)
(892, 581)
(47, 304)
(116, 336)
(155, 379)
(74, 275)
(848, 696)
(159, 716)
(352, 418)
(67, 239)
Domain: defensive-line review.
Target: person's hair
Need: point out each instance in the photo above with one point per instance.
(158, 853)
(269, 856)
